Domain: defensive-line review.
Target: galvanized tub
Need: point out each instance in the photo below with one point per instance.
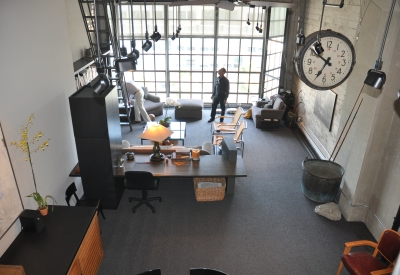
(321, 179)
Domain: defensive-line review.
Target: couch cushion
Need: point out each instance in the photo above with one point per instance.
(190, 104)
(278, 104)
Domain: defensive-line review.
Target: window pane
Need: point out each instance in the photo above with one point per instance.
(174, 76)
(254, 78)
(185, 77)
(234, 45)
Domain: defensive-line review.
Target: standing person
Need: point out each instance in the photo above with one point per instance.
(137, 91)
(220, 94)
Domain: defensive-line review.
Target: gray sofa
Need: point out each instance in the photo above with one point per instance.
(151, 103)
(268, 114)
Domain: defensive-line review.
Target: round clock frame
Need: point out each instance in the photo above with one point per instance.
(332, 67)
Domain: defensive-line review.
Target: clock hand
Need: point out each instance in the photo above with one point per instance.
(326, 63)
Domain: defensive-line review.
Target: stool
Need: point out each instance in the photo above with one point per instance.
(189, 108)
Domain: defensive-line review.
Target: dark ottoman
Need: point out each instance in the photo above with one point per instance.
(189, 108)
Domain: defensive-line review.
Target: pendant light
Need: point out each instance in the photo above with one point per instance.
(248, 17)
(146, 45)
(123, 50)
(156, 35)
(100, 83)
(173, 23)
(258, 13)
(262, 13)
(178, 17)
(134, 51)
(317, 46)
(375, 77)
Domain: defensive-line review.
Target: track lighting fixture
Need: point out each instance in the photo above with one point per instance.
(258, 13)
(317, 46)
(123, 50)
(101, 82)
(134, 51)
(156, 35)
(375, 77)
(146, 45)
(173, 24)
(248, 17)
(262, 13)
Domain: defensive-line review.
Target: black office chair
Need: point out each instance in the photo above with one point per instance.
(206, 271)
(152, 272)
(71, 191)
(144, 181)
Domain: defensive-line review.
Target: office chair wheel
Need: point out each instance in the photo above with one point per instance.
(154, 211)
(133, 211)
(130, 200)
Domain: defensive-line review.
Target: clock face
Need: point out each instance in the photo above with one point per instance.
(332, 67)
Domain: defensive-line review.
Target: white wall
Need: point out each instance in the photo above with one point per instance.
(36, 76)
(370, 151)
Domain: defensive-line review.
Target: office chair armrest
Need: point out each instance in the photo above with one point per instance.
(223, 116)
(386, 271)
(349, 245)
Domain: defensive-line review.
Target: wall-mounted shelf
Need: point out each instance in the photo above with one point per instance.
(82, 64)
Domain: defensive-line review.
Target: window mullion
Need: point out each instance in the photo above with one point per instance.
(264, 54)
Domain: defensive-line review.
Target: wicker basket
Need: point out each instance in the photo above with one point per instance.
(209, 194)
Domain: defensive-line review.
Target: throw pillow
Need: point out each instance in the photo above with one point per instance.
(248, 114)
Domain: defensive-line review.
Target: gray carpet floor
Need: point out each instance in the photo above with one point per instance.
(266, 227)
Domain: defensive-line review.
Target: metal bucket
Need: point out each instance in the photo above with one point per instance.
(321, 179)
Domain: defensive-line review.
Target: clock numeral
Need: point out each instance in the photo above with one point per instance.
(329, 44)
(337, 48)
(343, 52)
(333, 77)
(310, 70)
(339, 71)
(344, 62)
(309, 61)
(324, 80)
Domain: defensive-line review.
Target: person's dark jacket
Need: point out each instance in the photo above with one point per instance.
(221, 88)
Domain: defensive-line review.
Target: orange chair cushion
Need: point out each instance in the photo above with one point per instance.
(361, 263)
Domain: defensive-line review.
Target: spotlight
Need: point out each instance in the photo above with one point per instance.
(177, 35)
(155, 36)
(248, 22)
(317, 48)
(134, 52)
(124, 51)
(257, 28)
(147, 45)
(300, 38)
(260, 30)
(375, 79)
(173, 36)
(179, 28)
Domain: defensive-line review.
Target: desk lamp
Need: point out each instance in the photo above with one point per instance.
(156, 133)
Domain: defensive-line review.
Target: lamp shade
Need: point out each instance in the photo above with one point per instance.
(156, 133)
(125, 64)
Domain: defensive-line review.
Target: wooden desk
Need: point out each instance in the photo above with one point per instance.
(207, 166)
(70, 243)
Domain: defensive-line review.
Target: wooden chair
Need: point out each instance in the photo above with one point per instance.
(71, 192)
(205, 271)
(143, 181)
(151, 272)
(215, 126)
(237, 137)
(365, 263)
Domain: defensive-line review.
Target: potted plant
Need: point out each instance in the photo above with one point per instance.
(166, 121)
(24, 145)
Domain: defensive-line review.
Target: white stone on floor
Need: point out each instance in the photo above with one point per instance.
(329, 210)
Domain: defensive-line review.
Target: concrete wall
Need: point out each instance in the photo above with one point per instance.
(37, 77)
(369, 152)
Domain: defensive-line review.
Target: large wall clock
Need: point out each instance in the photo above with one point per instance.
(332, 67)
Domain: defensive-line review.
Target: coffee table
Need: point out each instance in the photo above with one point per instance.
(179, 129)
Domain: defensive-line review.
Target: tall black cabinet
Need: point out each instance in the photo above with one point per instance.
(97, 130)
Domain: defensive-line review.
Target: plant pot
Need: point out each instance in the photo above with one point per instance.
(44, 211)
(166, 124)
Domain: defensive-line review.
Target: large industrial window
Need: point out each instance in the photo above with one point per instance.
(210, 38)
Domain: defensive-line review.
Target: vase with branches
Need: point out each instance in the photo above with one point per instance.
(25, 145)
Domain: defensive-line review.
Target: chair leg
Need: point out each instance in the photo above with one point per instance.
(144, 200)
(340, 268)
